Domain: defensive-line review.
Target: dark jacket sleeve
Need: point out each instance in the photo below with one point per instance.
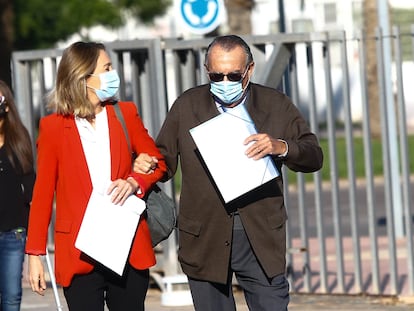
(28, 180)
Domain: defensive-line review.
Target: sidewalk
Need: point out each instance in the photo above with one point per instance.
(32, 301)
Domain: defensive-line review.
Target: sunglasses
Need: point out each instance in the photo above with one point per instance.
(2, 100)
(231, 76)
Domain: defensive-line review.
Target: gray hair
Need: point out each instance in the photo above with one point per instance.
(228, 43)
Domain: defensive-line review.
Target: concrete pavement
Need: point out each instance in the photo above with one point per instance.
(32, 301)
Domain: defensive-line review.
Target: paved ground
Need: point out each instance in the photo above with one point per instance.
(299, 302)
(32, 301)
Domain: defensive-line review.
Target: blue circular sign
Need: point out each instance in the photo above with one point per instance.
(201, 16)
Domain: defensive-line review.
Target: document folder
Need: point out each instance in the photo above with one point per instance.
(220, 143)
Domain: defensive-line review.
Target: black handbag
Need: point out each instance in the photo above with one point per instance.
(161, 211)
(161, 215)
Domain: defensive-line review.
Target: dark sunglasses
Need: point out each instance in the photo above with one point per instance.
(231, 76)
(2, 100)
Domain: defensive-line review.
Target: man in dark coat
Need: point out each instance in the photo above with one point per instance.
(246, 236)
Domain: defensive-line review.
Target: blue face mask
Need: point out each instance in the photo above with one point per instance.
(109, 85)
(227, 91)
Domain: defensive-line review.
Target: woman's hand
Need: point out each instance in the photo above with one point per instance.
(121, 189)
(36, 274)
(145, 164)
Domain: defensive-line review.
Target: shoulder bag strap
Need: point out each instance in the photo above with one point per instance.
(120, 117)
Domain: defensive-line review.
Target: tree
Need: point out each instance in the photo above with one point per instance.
(39, 24)
(370, 14)
(6, 38)
(239, 16)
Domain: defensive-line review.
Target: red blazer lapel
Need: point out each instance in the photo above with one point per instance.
(74, 150)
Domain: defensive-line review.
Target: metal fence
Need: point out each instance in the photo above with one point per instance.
(347, 235)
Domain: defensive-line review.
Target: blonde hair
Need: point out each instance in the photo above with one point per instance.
(69, 96)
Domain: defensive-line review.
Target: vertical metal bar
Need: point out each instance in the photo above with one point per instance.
(412, 39)
(405, 163)
(317, 175)
(350, 158)
(179, 80)
(170, 76)
(118, 60)
(51, 271)
(21, 86)
(157, 79)
(187, 67)
(201, 71)
(289, 245)
(158, 113)
(142, 90)
(42, 108)
(54, 69)
(290, 266)
(39, 100)
(384, 22)
(303, 225)
(304, 232)
(387, 165)
(369, 174)
(136, 85)
(29, 92)
(333, 166)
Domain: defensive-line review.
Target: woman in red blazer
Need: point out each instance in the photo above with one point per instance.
(80, 147)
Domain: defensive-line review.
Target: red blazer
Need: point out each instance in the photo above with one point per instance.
(62, 175)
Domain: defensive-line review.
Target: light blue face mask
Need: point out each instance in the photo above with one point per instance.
(109, 85)
(227, 91)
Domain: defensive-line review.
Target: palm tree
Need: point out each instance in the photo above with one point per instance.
(239, 16)
(370, 16)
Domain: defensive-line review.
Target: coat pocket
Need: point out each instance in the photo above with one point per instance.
(63, 226)
(190, 226)
(276, 221)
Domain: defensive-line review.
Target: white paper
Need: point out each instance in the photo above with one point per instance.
(220, 142)
(107, 230)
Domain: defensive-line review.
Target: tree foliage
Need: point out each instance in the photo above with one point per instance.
(41, 23)
(36, 24)
(145, 10)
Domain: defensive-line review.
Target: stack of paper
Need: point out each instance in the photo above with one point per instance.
(107, 230)
(220, 142)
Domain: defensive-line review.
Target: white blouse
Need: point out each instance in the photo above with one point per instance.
(95, 143)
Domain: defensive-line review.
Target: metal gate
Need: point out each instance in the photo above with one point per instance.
(347, 235)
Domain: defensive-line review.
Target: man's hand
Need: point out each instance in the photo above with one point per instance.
(145, 164)
(263, 145)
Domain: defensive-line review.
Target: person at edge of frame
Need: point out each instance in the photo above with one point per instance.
(247, 236)
(17, 176)
(82, 146)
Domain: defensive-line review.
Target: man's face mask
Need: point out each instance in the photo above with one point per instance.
(227, 91)
(230, 91)
(3, 106)
(109, 85)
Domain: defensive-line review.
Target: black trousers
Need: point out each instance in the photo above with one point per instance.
(261, 293)
(89, 292)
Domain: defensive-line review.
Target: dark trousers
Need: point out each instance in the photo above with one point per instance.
(261, 293)
(89, 292)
